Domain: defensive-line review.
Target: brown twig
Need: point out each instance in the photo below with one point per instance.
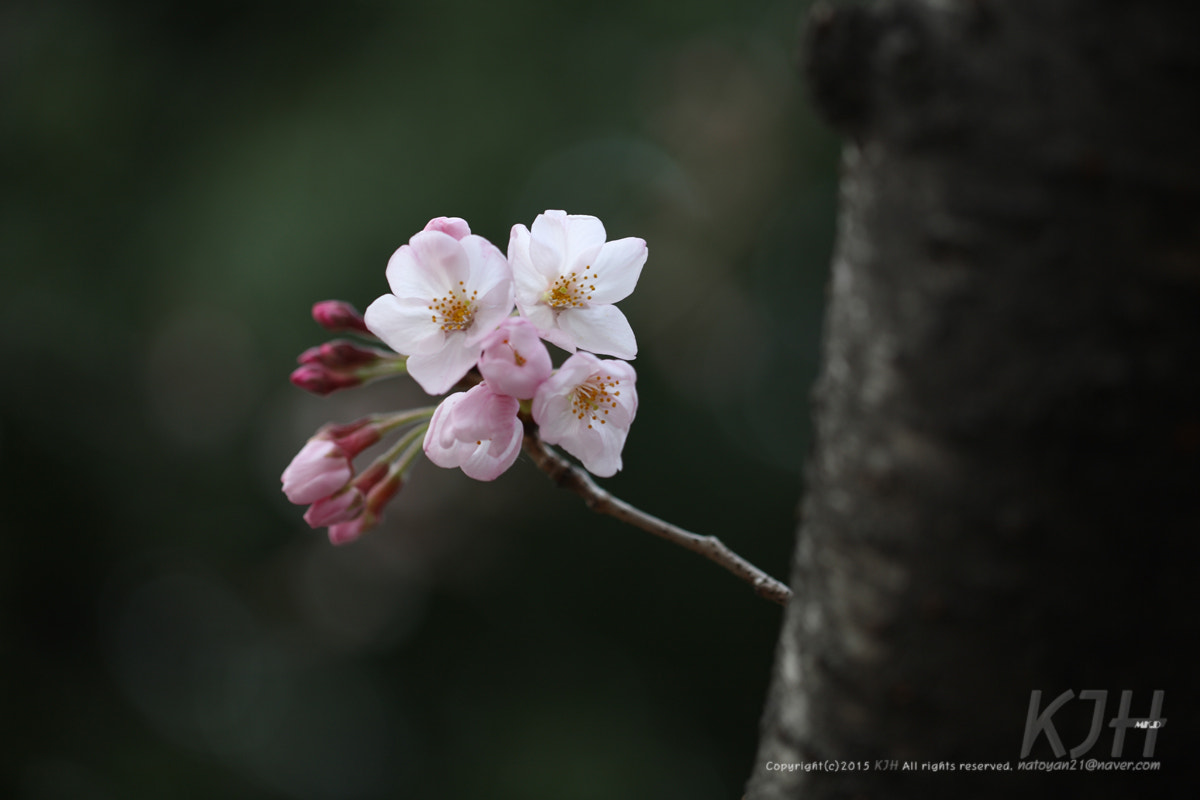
(569, 476)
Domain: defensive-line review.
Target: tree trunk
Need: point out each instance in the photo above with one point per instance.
(1004, 495)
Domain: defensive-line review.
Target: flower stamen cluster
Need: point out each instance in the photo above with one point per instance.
(593, 396)
(455, 313)
(568, 291)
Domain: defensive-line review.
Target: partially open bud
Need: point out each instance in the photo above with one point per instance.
(514, 360)
(478, 431)
(318, 470)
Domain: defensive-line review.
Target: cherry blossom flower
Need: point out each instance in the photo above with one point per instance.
(586, 407)
(477, 430)
(568, 277)
(450, 289)
(514, 360)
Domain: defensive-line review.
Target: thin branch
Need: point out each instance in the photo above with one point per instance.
(569, 476)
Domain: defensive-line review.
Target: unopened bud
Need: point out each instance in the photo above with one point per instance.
(353, 437)
(321, 381)
(337, 316)
(341, 354)
(378, 497)
(341, 507)
(346, 532)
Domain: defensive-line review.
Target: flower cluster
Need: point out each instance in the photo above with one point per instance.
(461, 314)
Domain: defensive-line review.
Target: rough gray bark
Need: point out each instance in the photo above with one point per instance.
(1004, 494)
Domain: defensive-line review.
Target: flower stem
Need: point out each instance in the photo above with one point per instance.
(402, 453)
(569, 476)
(389, 422)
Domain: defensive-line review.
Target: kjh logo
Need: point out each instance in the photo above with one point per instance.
(1037, 723)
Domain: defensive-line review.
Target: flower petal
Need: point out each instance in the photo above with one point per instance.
(546, 321)
(430, 265)
(524, 272)
(561, 242)
(404, 326)
(491, 459)
(454, 226)
(438, 372)
(488, 266)
(317, 471)
(617, 268)
(603, 455)
(599, 329)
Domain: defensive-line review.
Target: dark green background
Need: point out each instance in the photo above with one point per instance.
(180, 183)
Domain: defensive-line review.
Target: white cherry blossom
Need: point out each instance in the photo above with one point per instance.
(450, 289)
(586, 407)
(568, 277)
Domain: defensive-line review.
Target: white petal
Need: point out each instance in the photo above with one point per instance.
(492, 458)
(428, 266)
(488, 266)
(585, 238)
(548, 243)
(599, 329)
(604, 452)
(561, 242)
(518, 248)
(406, 327)
(529, 283)
(438, 372)
(617, 268)
(541, 315)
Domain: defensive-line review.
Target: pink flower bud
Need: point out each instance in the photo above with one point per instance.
(453, 226)
(323, 381)
(337, 316)
(318, 470)
(380, 493)
(346, 532)
(345, 505)
(514, 360)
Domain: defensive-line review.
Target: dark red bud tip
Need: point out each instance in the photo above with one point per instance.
(338, 315)
(342, 354)
(318, 380)
(334, 431)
